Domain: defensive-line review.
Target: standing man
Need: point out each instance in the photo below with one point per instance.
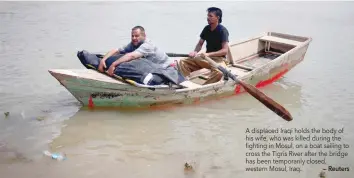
(217, 38)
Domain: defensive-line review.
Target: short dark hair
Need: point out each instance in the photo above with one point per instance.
(142, 30)
(217, 12)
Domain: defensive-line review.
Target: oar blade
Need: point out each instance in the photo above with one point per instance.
(268, 102)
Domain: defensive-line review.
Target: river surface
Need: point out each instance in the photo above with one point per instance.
(37, 36)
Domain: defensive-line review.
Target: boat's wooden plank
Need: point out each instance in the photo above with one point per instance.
(280, 40)
(189, 84)
(88, 74)
(243, 67)
(257, 62)
(237, 71)
(244, 50)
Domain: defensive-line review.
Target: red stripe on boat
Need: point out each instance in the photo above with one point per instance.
(237, 89)
(90, 102)
(271, 80)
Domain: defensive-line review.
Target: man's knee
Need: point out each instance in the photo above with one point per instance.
(182, 61)
(183, 67)
(219, 74)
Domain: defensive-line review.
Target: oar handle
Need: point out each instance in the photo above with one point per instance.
(177, 55)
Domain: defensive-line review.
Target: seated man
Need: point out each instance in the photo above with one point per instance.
(139, 47)
(140, 61)
(217, 38)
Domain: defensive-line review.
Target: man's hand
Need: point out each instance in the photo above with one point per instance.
(111, 69)
(102, 66)
(192, 54)
(204, 54)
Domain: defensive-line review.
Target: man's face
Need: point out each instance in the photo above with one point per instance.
(212, 18)
(137, 37)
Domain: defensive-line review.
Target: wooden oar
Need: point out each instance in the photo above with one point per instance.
(260, 96)
(177, 55)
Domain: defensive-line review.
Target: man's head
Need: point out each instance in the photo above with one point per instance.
(214, 15)
(138, 35)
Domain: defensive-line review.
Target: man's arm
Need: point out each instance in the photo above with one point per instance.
(110, 53)
(202, 39)
(127, 57)
(102, 64)
(145, 49)
(199, 45)
(222, 52)
(123, 49)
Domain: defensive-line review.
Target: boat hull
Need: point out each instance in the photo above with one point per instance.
(96, 90)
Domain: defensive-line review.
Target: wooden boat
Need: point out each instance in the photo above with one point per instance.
(258, 61)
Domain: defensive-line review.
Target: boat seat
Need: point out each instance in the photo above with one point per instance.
(231, 62)
(280, 40)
